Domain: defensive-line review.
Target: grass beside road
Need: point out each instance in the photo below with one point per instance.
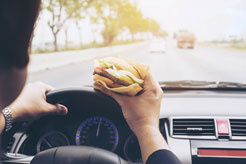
(86, 46)
(240, 46)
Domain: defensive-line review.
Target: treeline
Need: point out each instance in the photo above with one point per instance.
(114, 16)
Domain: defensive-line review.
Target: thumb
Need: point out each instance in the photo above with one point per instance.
(58, 109)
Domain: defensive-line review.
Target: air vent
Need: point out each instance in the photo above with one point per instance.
(238, 127)
(193, 128)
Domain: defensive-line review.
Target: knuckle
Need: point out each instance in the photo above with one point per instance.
(154, 91)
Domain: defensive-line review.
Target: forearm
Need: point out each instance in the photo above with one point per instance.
(2, 123)
(150, 140)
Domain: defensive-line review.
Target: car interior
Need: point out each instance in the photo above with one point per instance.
(198, 125)
(195, 48)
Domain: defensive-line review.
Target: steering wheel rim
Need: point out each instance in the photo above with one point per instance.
(59, 95)
(77, 155)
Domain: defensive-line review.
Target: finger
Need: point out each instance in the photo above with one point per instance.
(106, 91)
(57, 109)
(61, 109)
(115, 96)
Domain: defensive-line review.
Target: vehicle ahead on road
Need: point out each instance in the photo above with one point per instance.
(158, 46)
(185, 39)
(196, 120)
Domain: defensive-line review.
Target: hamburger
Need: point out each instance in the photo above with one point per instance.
(120, 75)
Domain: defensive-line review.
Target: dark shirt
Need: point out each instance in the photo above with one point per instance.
(163, 157)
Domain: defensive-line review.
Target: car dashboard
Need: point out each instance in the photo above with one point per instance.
(200, 126)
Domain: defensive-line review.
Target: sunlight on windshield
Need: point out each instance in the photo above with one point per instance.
(180, 40)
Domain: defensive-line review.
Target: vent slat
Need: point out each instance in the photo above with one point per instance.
(239, 130)
(239, 134)
(184, 125)
(195, 134)
(194, 130)
(238, 123)
(238, 127)
(200, 122)
(193, 127)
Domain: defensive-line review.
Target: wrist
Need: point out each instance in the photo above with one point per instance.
(144, 125)
(2, 122)
(150, 140)
(14, 114)
(147, 130)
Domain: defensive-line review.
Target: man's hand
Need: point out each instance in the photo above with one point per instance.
(31, 103)
(142, 115)
(141, 111)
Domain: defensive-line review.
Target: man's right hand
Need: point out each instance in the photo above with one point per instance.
(141, 111)
(142, 115)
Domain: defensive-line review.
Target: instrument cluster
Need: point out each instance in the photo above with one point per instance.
(112, 134)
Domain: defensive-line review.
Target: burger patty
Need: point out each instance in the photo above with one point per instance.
(104, 73)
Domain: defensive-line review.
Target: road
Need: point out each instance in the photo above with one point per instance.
(201, 63)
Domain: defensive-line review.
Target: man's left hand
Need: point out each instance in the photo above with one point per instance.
(31, 103)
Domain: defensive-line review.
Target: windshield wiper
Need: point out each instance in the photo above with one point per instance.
(190, 84)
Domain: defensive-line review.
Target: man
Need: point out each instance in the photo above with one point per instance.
(17, 19)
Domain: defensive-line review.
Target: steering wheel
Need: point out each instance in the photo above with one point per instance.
(76, 154)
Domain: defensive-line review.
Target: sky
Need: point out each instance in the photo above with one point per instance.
(208, 19)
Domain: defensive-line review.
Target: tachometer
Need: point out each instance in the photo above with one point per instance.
(98, 132)
(51, 140)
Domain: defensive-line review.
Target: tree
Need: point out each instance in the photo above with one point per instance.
(163, 33)
(111, 30)
(106, 12)
(61, 11)
(131, 18)
(154, 27)
(116, 15)
(79, 30)
(81, 14)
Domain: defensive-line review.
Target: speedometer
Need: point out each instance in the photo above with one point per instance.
(98, 132)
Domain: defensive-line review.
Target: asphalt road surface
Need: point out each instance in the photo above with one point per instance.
(201, 63)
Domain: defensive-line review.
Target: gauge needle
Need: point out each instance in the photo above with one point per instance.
(47, 142)
(98, 128)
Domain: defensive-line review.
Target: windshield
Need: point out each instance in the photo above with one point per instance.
(193, 40)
